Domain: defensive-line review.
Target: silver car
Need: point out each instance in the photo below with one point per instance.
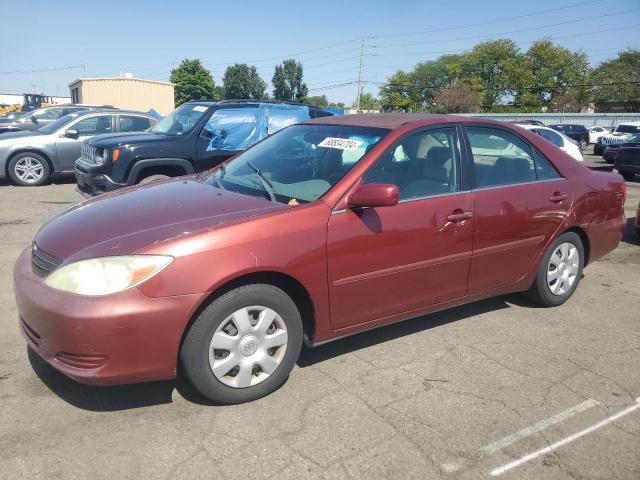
(30, 158)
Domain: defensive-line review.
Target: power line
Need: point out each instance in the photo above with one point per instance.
(499, 20)
(52, 69)
(493, 35)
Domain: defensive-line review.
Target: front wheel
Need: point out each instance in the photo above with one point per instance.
(28, 169)
(243, 345)
(559, 271)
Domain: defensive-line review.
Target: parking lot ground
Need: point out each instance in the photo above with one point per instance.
(494, 389)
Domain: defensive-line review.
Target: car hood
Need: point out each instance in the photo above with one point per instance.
(114, 140)
(131, 219)
(13, 135)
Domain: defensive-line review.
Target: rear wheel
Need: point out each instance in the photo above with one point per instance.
(583, 144)
(243, 345)
(559, 271)
(28, 169)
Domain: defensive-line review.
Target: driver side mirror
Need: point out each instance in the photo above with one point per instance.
(374, 195)
(71, 133)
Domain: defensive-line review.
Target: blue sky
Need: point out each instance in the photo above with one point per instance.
(147, 37)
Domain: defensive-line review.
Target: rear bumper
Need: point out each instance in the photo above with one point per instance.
(115, 339)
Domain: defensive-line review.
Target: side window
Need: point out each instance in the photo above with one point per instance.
(500, 157)
(129, 123)
(233, 129)
(551, 136)
(94, 125)
(544, 169)
(422, 165)
(49, 114)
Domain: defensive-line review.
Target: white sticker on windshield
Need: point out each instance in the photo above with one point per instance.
(340, 143)
(199, 108)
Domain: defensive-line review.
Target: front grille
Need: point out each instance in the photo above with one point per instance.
(88, 154)
(43, 263)
(612, 140)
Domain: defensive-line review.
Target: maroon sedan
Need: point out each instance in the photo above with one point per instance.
(325, 229)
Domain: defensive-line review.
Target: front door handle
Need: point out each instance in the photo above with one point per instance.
(458, 215)
(557, 197)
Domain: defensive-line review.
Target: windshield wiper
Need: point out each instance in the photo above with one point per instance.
(263, 180)
(218, 180)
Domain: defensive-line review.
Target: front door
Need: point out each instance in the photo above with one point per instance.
(68, 148)
(520, 202)
(390, 260)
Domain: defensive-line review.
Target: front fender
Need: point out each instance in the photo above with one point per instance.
(140, 165)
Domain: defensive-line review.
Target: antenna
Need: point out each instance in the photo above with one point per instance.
(86, 63)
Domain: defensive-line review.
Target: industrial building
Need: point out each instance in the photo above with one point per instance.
(124, 92)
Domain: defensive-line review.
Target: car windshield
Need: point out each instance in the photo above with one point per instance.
(298, 164)
(628, 128)
(181, 120)
(53, 126)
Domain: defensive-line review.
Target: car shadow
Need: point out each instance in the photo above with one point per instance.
(630, 234)
(127, 397)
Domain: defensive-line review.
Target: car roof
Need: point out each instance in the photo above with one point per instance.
(231, 102)
(385, 120)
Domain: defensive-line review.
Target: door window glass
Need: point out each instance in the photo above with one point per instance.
(551, 136)
(93, 125)
(233, 129)
(499, 157)
(544, 169)
(422, 165)
(130, 123)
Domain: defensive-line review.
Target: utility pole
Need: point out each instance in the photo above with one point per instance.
(360, 76)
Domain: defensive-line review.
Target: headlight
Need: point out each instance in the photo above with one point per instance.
(106, 275)
(100, 156)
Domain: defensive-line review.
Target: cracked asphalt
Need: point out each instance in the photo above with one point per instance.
(425, 398)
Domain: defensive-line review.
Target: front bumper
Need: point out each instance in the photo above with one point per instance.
(114, 339)
(92, 184)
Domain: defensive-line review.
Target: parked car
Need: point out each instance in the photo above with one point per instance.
(30, 158)
(37, 119)
(195, 137)
(579, 133)
(528, 122)
(638, 220)
(596, 132)
(560, 140)
(11, 116)
(625, 156)
(322, 230)
(619, 135)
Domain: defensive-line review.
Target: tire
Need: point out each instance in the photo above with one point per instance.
(583, 144)
(153, 178)
(29, 169)
(628, 175)
(541, 291)
(247, 351)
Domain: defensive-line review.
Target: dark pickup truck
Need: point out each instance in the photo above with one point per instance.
(197, 136)
(579, 133)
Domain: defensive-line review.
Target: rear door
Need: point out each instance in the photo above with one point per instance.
(392, 260)
(520, 202)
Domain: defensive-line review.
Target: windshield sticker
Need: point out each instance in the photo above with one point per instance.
(340, 143)
(199, 108)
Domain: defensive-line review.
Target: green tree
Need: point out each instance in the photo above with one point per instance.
(429, 77)
(553, 71)
(318, 100)
(624, 68)
(287, 82)
(192, 82)
(368, 102)
(458, 98)
(395, 95)
(340, 105)
(243, 82)
(497, 66)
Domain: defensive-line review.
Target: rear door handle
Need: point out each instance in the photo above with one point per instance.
(459, 215)
(557, 197)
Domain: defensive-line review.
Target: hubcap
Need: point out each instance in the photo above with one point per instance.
(563, 267)
(248, 346)
(29, 170)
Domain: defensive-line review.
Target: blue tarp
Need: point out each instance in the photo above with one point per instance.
(238, 128)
